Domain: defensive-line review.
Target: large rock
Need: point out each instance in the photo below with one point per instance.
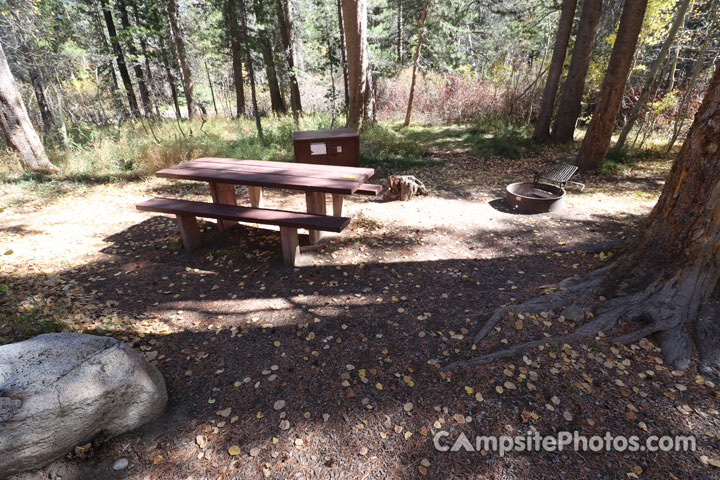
(60, 390)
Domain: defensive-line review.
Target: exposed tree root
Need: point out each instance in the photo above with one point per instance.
(665, 304)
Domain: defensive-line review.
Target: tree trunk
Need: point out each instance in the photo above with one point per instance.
(369, 102)
(408, 113)
(179, 42)
(283, 9)
(170, 78)
(236, 49)
(571, 98)
(146, 56)
(399, 31)
(120, 57)
(277, 102)
(597, 139)
(38, 82)
(15, 122)
(355, 23)
(697, 68)
(542, 125)
(666, 273)
(98, 23)
(673, 67)
(251, 74)
(652, 73)
(343, 60)
(134, 58)
(212, 90)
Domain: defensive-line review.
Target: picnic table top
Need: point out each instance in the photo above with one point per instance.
(294, 176)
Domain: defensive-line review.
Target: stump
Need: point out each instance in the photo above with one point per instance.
(403, 187)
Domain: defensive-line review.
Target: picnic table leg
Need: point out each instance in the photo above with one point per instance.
(290, 245)
(337, 204)
(315, 204)
(189, 232)
(223, 193)
(256, 197)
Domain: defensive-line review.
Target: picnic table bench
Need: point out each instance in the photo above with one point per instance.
(222, 174)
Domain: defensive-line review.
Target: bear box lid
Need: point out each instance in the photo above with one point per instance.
(324, 134)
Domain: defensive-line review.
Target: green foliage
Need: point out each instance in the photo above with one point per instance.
(390, 149)
(502, 139)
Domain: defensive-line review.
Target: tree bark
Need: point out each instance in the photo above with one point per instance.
(355, 23)
(652, 73)
(666, 273)
(251, 74)
(277, 102)
(236, 49)
(597, 139)
(15, 123)
(134, 57)
(179, 42)
(571, 98)
(542, 125)
(343, 60)
(408, 113)
(283, 10)
(120, 58)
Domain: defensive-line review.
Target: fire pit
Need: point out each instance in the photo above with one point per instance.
(534, 197)
(537, 197)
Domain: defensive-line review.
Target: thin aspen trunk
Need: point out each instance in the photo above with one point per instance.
(399, 31)
(179, 42)
(212, 90)
(237, 62)
(120, 58)
(697, 68)
(171, 81)
(133, 55)
(343, 59)
(251, 74)
(542, 125)
(652, 74)
(415, 64)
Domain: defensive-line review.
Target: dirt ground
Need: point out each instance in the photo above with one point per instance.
(355, 342)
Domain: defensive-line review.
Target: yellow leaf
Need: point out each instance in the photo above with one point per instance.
(234, 450)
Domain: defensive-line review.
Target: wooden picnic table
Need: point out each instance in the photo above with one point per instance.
(222, 174)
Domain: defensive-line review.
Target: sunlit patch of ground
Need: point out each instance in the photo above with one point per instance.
(352, 343)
